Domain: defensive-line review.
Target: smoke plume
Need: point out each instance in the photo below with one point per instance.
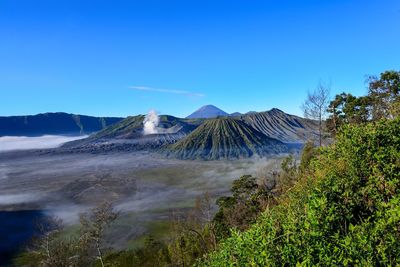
(151, 122)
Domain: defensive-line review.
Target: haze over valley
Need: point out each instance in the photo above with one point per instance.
(10, 143)
(148, 166)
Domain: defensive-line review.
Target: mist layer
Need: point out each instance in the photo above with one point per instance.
(9, 143)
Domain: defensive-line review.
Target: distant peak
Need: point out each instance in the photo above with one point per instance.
(207, 111)
(208, 107)
(235, 114)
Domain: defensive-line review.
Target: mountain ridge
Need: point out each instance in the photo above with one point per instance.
(130, 131)
(239, 136)
(260, 133)
(277, 124)
(53, 123)
(226, 138)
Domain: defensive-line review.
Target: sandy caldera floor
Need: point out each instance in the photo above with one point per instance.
(144, 187)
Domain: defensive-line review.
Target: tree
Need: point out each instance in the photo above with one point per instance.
(53, 248)
(385, 93)
(316, 105)
(382, 101)
(93, 226)
(357, 110)
(335, 108)
(307, 155)
(193, 232)
(348, 109)
(240, 209)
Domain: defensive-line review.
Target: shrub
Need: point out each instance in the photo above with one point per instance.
(344, 210)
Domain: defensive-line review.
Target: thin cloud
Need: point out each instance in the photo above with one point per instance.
(168, 91)
(9, 143)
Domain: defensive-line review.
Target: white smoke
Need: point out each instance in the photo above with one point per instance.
(151, 122)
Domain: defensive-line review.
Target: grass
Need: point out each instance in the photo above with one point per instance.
(157, 229)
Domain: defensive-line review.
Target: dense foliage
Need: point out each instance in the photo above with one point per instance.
(344, 210)
(240, 209)
(381, 102)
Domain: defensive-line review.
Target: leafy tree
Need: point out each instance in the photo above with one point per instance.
(238, 210)
(357, 109)
(335, 108)
(308, 154)
(193, 233)
(250, 196)
(382, 101)
(348, 109)
(385, 92)
(288, 175)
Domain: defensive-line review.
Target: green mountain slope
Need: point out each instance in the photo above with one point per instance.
(224, 138)
(127, 135)
(132, 127)
(129, 127)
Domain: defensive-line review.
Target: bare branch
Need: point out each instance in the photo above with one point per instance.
(316, 105)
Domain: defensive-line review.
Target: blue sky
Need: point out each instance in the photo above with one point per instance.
(118, 58)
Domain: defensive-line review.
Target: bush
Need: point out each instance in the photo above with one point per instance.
(344, 210)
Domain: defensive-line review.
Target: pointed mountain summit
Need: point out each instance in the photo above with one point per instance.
(206, 112)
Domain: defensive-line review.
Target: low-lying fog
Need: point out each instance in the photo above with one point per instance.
(145, 187)
(8, 143)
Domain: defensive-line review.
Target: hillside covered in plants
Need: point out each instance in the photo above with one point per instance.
(343, 210)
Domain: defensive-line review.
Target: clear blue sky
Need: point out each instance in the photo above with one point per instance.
(86, 56)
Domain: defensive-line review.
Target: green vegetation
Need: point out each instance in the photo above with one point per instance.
(382, 102)
(344, 210)
(191, 236)
(158, 230)
(84, 248)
